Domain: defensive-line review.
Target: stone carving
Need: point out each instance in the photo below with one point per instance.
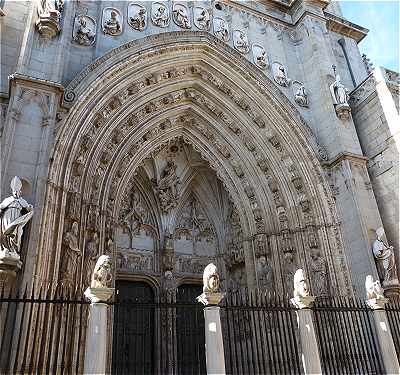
(84, 32)
(15, 212)
(167, 187)
(319, 273)
(181, 16)
(102, 274)
(112, 21)
(384, 256)
(188, 264)
(91, 255)
(288, 269)
(280, 75)
(160, 14)
(264, 273)
(302, 298)
(221, 29)
(210, 279)
(168, 253)
(260, 57)
(49, 12)
(201, 18)
(69, 260)
(241, 41)
(134, 261)
(137, 16)
(373, 288)
(300, 94)
(340, 97)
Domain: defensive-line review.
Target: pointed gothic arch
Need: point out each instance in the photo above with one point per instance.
(190, 86)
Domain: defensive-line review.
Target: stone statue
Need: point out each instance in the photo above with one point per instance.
(300, 97)
(202, 20)
(339, 92)
(49, 12)
(112, 26)
(221, 29)
(84, 35)
(373, 288)
(181, 17)
(385, 259)
(167, 187)
(300, 284)
(210, 279)
(102, 274)
(92, 249)
(264, 273)
(160, 16)
(69, 261)
(319, 276)
(138, 20)
(15, 212)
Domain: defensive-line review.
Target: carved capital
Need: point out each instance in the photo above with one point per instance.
(10, 264)
(96, 295)
(303, 302)
(208, 298)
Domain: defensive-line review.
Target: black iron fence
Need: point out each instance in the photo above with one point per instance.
(393, 314)
(346, 334)
(42, 332)
(260, 334)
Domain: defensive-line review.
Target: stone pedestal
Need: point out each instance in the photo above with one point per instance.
(309, 346)
(215, 357)
(96, 335)
(343, 111)
(384, 336)
(10, 264)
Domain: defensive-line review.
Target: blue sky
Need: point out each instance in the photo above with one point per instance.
(382, 19)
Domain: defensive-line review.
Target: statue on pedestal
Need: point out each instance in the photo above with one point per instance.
(384, 256)
(340, 97)
(15, 212)
(49, 12)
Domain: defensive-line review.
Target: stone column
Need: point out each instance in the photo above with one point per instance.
(215, 357)
(384, 336)
(309, 346)
(96, 335)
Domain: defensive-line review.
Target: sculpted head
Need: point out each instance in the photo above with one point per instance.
(16, 186)
(380, 232)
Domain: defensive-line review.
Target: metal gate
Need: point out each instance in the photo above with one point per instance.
(163, 335)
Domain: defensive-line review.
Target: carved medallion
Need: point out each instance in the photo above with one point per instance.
(300, 94)
(111, 22)
(160, 14)
(241, 41)
(280, 74)
(137, 16)
(84, 32)
(201, 18)
(181, 16)
(221, 29)
(260, 56)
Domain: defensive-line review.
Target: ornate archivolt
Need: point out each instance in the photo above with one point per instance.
(194, 89)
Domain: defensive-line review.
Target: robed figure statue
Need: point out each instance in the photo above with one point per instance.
(15, 212)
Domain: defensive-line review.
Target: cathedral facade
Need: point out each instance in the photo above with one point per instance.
(172, 134)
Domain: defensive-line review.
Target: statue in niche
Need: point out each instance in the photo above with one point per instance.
(112, 25)
(202, 18)
(221, 29)
(288, 269)
(160, 15)
(84, 33)
(91, 255)
(168, 253)
(384, 256)
(241, 42)
(339, 92)
(102, 274)
(137, 19)
(181, 17)
(69, 260)
(15, 212)
(264, 273)
(319, 274)
(300, 97)
(167, 187)
(280, 75)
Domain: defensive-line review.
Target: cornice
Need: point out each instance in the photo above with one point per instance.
(342, 26)
(41, 84)
(361, 159)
